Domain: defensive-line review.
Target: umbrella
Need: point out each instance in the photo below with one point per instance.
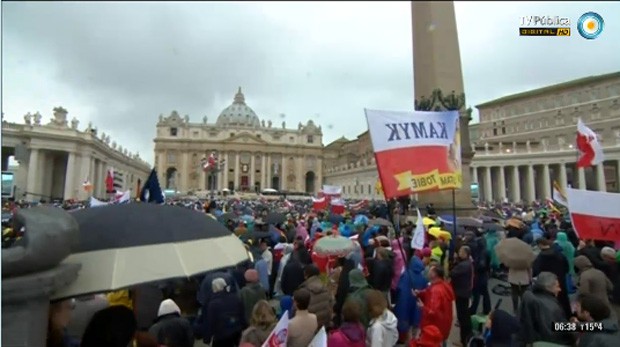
(224, 218)
(467, 222)
(428, 221)
(247, 218)
(380, 222)
(515, 253)
(361, 219)
(492, 226)
(335, 218)
(333, 246)
(124, 245)
(458, 230)
(438, 233)
(275, 218)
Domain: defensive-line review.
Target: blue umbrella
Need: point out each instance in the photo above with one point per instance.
(247, 218)
(361, 219)
(345, 230)
(336, 218)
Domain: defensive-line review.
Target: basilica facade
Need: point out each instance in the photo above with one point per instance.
(252, 154)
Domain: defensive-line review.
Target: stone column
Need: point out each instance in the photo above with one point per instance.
(202, 183)
(32, 183)
(581, 178)
(236, 170)
(474, 174)
(502, 183)
(184, 173)
(226, 169)
(301, 178)
(263, 173)
(70, 185)
(531, 187)
(562, 179)
(488, 186)
(268, 172)
(252, 171)
(516, 184)
(284, 173)
(618, 176)
(546, 182)
(318, 185)
(601, 185)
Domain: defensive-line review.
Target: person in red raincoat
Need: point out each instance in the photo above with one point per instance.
(430, 337)
(436, 302)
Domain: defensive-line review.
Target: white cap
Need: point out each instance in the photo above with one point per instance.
(168, 306)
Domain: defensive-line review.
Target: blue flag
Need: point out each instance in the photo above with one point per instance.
(151, 191)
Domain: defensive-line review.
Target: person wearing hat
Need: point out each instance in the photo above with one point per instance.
(251, 293)
(170, 327)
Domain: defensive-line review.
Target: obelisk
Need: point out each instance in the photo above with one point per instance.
(437, 66)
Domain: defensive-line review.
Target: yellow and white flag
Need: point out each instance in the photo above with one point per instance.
(559, 194)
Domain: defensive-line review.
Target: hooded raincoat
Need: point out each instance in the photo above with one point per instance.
(567, 249)
(406, 308)
(437, 310)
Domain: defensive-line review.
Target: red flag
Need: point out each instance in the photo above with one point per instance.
(595, 215)
(337, 206)
(319, 204)
(109, 182)
(416, 151)
(209, 163)
(591, 152)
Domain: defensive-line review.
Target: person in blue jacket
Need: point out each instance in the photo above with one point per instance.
(406, 308)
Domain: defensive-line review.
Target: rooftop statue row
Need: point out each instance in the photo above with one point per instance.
(59, 121)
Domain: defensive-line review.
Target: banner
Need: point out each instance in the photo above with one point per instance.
(320, 339)
(416, 151)
(595, 215)
(558, 194)
(279, 334)
(332, 190)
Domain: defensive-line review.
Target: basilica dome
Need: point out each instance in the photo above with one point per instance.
(238, 113)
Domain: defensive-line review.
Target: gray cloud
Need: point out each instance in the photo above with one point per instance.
(120, 65)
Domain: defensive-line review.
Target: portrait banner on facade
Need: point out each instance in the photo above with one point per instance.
(416, 151)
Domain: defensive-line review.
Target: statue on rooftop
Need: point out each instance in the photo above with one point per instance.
(74, 123)
(28, 118)
(37, 118)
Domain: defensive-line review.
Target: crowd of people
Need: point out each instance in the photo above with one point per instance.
(380, 294)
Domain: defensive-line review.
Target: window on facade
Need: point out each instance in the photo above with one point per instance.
(291, 138)
(310, 139)
(258, 135)
(503, 130)
(232, 134)
(172, 158)
(173, 131)
(196, 134)
(561, 141)
(369, 189)
(494, 131)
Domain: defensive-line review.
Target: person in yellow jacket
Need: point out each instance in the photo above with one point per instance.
(120, 298)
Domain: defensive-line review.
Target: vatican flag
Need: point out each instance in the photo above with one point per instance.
(378, 187)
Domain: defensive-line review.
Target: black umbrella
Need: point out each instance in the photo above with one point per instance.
(224, 218)
(275, 218)
(492, 226)
(125, 245)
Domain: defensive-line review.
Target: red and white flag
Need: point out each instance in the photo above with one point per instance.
(279, 335)
(332, 190)
(320, 339)
(595, 215)
(337, 206)
(319, 204)
(416, 151)
(109, 181)
(209, 163)
(360, 205)
(590, 149)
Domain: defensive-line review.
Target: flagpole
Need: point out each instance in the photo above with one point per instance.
(453, 223)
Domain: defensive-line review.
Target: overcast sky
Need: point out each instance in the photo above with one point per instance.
(120, 65)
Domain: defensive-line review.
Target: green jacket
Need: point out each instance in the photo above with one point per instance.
(358, 289)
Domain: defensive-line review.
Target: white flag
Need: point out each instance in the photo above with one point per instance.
(320, 339)
(96, 203)
(279, 334)
(417, 241)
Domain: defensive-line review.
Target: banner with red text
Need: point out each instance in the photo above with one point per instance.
(416, 151)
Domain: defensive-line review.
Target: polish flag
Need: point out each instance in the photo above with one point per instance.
(360, 205)
(337, 206)
(416, 151)
(332, 190)
(109, 181)
(209, 163)
(595, 215)
(319, 204)
(591, 151)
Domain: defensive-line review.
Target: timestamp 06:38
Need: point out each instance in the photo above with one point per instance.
(577, 327)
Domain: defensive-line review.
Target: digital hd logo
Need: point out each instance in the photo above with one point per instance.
(590, 25)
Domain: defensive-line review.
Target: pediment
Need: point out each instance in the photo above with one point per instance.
(246, 138)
